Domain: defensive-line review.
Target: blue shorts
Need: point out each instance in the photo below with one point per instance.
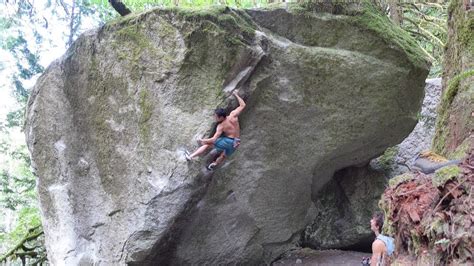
(226, 145)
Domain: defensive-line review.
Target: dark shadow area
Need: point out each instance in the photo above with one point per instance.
(365, 245)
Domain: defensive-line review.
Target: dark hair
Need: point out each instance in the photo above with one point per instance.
(378, 217)
(220, 112)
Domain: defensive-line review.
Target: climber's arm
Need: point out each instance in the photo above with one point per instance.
(214, 138)
(239, 109)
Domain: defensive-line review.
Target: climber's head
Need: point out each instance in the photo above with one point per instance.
(376, 223)
(220, 114)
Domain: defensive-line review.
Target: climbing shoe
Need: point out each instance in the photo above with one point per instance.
(187, 155)
(211, 166)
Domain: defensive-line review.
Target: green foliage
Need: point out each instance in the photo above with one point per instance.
(15, 118)
(427, 24)
(25, 33)
(27, 62)
(28, 217)
(26, 237)
(16, 180)
(17, 194)
(140, 5)
(374, 20)
(108, 13)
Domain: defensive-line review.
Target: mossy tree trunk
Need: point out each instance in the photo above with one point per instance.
(455, 121)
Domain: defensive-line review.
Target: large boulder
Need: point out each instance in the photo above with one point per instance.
(344, 211)
(402, 157)
(106, 125)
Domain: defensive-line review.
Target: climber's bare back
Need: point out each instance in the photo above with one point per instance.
(230, 127)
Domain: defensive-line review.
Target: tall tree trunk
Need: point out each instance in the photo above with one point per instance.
(395, 12)
(120, 7)
(71, 24)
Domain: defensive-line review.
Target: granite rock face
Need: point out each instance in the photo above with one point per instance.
(351, 197)
(401, 158)
(107, 124)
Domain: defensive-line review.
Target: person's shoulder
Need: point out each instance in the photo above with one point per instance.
(389, 243)
(220, 126)
(232, 114)
(378, 245)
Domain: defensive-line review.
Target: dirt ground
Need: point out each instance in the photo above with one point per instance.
(308, 257)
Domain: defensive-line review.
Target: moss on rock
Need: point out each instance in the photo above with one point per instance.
(130, 43)
(99, 88)
(146, 108)
(400, 179)
(387, 159)
(372, 19)
(444, 174)
(229, 20)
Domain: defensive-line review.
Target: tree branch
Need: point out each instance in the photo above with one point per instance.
(27, 253)
(27, 238)
(120, 7)
(419, 34)
(71, 24)
(61, 2)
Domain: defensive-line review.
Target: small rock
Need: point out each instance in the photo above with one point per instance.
(299, 261)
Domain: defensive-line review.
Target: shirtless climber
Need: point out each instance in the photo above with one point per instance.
(227, 136)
